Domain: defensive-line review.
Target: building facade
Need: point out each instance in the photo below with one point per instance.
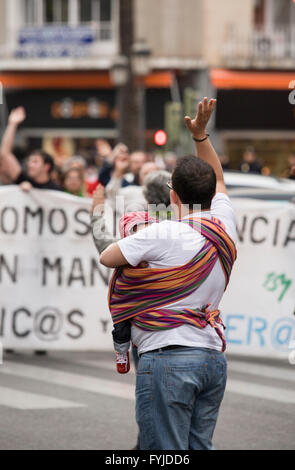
(254, 78)
(57, 56)
(57, 59)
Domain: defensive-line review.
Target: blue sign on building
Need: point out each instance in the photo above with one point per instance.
(55, 41)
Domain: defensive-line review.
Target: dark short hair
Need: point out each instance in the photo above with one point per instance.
(194, 181)
(47, 159)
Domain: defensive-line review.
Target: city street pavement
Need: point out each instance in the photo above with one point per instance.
(78, 401)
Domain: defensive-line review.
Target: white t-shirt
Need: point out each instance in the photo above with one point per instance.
(170, 244)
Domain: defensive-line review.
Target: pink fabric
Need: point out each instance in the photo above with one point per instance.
(129, 220)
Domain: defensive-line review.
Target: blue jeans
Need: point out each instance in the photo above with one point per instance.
(178, 396)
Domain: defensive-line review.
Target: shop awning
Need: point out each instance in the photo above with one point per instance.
(74, 80)
(251, 80)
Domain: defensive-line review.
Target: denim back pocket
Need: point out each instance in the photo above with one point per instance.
(183, 383)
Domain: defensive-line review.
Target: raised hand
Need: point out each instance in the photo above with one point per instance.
(103, 148)
(197, 126)
(122, 161)
(17, 116)
(121, 150)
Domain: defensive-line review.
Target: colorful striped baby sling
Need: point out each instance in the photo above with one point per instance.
(141, 294)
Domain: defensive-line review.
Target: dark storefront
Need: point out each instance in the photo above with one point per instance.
(68, 111)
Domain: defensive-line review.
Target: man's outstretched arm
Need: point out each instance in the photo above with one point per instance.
(205, 150)
(8, 160)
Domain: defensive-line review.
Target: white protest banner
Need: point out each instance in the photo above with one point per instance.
(53, 290)
(258, 306)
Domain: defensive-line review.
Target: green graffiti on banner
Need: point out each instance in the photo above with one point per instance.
(277, 282)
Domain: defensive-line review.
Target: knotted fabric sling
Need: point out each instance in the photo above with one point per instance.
(141, 294)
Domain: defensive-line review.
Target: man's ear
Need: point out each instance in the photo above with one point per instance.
(174, 199)
(175, 204)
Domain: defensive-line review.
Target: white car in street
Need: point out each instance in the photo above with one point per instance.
(259, 187)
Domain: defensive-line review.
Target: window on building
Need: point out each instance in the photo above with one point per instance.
(95, 10)
(48, 11)
(64, 11)
(41, 12)
(105, 10)
(56, 11)
(86, 14)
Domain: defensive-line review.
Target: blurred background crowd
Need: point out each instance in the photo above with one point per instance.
(104, 86)
(119, 170)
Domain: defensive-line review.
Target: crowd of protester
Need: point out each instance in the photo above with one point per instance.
(121, 173)
(118, 170)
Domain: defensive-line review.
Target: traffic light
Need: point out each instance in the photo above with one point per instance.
(160, 138)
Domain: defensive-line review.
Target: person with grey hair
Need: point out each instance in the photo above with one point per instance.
(76, 162)
(155, 189)
(155, 192)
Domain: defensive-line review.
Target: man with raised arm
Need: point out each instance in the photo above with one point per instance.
(39, 166)
(173, 303)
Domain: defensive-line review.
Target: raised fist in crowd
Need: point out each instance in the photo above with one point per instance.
(17, 116)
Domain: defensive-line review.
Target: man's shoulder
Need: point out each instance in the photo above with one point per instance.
(220, 197)
(222, 206)
(223, 210)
